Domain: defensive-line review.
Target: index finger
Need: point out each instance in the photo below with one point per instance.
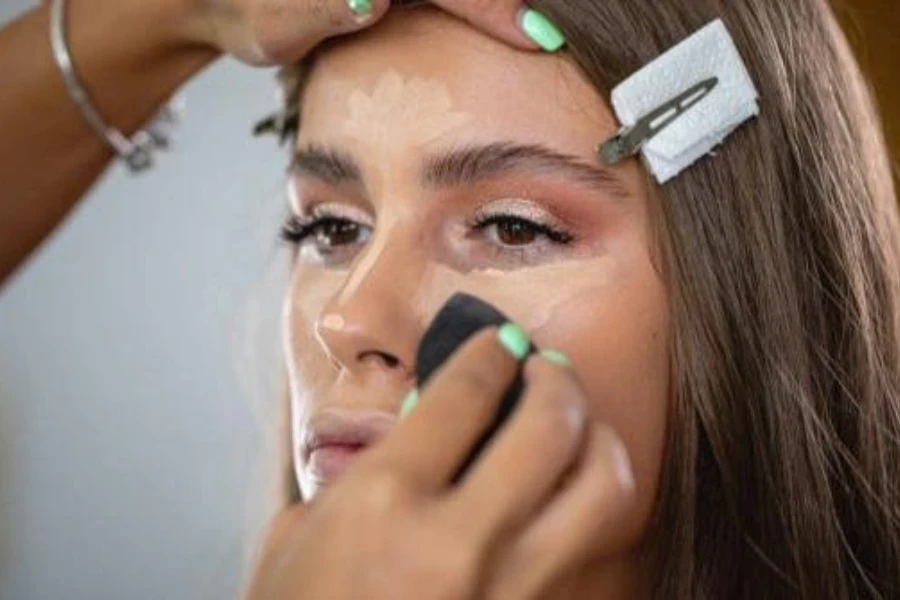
(457, 406)
(511, 21)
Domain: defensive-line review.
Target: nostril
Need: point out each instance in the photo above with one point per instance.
(389, 360)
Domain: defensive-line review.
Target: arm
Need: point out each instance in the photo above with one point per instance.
(130, 55)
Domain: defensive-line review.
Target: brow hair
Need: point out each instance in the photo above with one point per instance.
(466, 165)
(328, 165)
(475, 163)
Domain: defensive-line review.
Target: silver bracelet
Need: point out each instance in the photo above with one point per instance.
(138, 152)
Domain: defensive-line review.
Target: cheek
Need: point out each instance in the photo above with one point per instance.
(309, 293)
(617, 338)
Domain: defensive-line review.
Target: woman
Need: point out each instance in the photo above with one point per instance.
(723, 417)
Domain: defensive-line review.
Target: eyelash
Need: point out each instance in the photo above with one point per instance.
(297, 230)
(555, 235)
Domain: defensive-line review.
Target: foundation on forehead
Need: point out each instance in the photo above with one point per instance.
(400, 113)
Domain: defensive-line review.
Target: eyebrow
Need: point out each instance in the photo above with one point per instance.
(328, 165)
(466, 165)
(477, 163)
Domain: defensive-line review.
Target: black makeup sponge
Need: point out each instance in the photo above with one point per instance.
(460, 318)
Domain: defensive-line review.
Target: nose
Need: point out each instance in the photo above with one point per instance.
(370, 328)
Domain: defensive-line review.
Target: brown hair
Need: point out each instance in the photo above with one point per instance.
(782, 260)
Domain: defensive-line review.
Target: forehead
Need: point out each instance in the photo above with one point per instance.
(423, 68)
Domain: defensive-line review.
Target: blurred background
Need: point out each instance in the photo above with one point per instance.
(132, 344)
(129, 440)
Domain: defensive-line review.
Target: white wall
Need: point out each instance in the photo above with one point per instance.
(126, 441)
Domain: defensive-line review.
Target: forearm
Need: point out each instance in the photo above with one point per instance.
(130, 55)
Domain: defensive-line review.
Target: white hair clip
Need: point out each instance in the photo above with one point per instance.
(678, 108)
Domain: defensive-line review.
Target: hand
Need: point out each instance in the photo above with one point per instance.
(532, 507)
(270, 32)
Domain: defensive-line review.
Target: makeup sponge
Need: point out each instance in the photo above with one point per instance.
(462, 317)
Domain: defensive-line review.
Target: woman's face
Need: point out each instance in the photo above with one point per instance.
(432, 159)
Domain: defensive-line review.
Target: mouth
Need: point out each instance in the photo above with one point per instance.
(334, 439)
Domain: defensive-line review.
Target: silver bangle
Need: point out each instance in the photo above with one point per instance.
(138, 152)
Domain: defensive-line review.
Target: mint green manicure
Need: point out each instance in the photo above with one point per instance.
(514, 340)
(360, 7)
(556, 357)
(409, 403)
(541, 30)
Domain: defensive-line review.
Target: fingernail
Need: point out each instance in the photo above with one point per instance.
(541, 30)
(409, 403)
(556, 357)
(361, 8)
(514, 340)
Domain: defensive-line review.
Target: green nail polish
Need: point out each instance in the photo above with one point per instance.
(514, 340)
(541, 30)
(360, 7)
(409, 403)
(556, 357)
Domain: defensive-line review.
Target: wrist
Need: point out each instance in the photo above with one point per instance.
(180, 25)
(132, 56)
(186, 24)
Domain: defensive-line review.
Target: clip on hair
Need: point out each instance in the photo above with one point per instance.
(630, 140)
(672, 133)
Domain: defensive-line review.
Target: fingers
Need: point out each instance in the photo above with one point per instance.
(270, 32)
(508, 20)
(592, 503)
(530, 454)
(454, 409)
(344, 16)
(322, 19)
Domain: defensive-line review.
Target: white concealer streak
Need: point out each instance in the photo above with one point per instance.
(533, 297)
(306, 301)
(333, 322)
(397, 117)
(400, 114)
(360, 272)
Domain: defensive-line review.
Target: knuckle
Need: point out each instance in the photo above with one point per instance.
(473, 380)
(380, 493)
(482, 7)
(562, 409)
(326, 13)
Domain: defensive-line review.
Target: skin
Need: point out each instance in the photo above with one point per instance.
(132, 56)
(599, 298)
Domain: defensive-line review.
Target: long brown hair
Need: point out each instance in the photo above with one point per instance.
(782, 260)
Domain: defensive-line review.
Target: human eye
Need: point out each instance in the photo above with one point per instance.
(512, 231)
(519, 230)
(328, 235)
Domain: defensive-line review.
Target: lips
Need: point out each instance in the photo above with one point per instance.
(333, 440)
